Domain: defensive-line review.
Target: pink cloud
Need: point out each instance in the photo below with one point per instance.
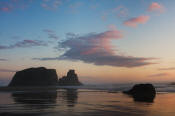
(10, 5)
(5, 9)
(156, 7)
(133, 22)
(102, 42)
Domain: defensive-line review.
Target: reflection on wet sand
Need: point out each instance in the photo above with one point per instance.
(37, 100)
(67, 102)
(70, 96)
(43, 100)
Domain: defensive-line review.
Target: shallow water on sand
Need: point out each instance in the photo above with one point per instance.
(82, 102)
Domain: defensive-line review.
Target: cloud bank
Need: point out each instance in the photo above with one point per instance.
(23, 44)
(159, 75)
(96, 48)
(7, 70)
(2, 59)
(170, 68)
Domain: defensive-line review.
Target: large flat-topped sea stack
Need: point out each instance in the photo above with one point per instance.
(35, 77)
(70, 79)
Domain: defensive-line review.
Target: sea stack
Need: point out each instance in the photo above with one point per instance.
(69, 80)
(35, 77)
(142, 92)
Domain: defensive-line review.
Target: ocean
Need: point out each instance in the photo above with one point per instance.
(88, 100)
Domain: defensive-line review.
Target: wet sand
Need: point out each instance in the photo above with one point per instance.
(82, 102)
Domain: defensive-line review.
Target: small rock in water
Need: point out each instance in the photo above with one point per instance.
(142, 92)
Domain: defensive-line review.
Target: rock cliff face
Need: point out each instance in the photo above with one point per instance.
(70, 79)
(142, 92)
(35, 77)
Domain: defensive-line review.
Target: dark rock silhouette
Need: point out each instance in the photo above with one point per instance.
(70, 79)
(172, 83)
(142, 92)
(34, 77)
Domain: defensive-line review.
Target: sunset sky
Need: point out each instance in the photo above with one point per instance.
(105, 41)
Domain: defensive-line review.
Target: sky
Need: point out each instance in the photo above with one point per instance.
(105, 41)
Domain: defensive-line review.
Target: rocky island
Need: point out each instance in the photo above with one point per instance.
(142, 92)
(41, 76)
(34, 77)
(70, 79)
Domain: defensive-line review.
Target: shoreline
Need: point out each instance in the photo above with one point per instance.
(55, 88)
